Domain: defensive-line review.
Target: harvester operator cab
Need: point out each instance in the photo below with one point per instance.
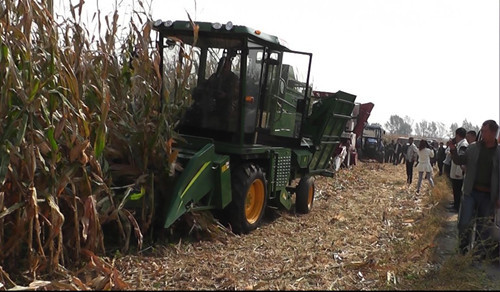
(236, 84)
(221, 90)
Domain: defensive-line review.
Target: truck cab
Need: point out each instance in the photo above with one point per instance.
(372, 146)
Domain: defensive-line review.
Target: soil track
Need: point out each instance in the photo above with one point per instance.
(364, 233)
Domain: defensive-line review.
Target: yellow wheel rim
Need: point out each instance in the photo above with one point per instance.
(310, 197)
(254, 201)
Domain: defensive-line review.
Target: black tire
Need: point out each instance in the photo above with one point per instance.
(249, 192)
(304, 195)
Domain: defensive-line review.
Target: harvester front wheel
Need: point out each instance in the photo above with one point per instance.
(304, 195)
(249, 198)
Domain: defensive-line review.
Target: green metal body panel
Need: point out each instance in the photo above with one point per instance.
(283, 126)
(207, 173)
(325, 126)
(302, 157)
(206, 176)
(279, 176)
(221, 196)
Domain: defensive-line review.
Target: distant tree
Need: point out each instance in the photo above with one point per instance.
(441, 131)
(453, 127)
(396, 125)
(421, 128)
(426, 129)
(408, 120)
(432, 130)
(468, 126)
(392, 126)
(407, 127)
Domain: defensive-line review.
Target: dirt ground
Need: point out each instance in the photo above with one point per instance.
(368, 230)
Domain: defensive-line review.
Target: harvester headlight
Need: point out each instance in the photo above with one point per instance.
(216, 25)
(229, 25)
(157, 23)
(168, 23)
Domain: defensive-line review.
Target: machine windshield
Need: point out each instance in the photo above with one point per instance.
(227, 86)
(205, 81)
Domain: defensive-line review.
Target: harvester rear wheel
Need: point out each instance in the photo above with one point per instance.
(249, 198)
(304, 195)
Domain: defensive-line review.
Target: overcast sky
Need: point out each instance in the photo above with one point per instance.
(432, 60)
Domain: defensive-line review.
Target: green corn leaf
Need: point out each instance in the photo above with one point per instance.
(5, 53)
(34, 90)
(52, 140)
(52, 66)
(11, 131)
(4, 165)
(22, 129)
(137, 196)
(100, 140)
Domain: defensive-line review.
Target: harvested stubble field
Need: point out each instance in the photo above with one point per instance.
(368, 230)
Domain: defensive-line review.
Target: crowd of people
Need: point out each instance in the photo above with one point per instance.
(479, 189)
(470, 161)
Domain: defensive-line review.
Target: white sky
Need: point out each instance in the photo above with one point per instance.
(432, 60)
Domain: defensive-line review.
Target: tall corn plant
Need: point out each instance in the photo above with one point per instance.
(32, 124)
(81, 133)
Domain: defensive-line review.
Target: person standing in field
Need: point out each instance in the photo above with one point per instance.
(457, 172)
(447, 162)
(397, 153)
(433, 145)
(424, 163)
(389, 152)
(441, 155)
(480, 189)
(471, 137)
(411, 157)
(404, 149)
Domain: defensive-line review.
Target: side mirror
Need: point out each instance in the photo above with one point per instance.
(282, 86)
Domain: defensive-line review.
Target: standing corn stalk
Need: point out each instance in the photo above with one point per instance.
(82, 131)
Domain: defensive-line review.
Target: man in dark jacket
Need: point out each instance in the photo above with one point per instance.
(480, 189)
(389, 152)
(411, 156)
(398, 150)
(441, 155)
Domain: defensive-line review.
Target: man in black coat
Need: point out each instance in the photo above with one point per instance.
(398, 151)
(441, 155)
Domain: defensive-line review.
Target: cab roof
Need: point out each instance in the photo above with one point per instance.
(184, 29)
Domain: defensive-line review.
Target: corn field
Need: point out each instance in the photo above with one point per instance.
(83, 129)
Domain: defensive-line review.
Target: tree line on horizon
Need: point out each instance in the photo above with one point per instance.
(406, 127)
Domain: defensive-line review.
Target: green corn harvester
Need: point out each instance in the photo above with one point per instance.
(254, 136)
